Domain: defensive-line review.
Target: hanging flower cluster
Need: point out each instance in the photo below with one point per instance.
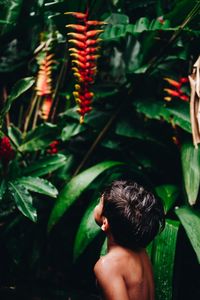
(177, 89)
(6, 151)
(84, 39)
(44, 82)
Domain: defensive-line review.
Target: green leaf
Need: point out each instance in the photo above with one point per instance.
(183, 6)
(11, 10)
(116, 18)
(87, 231)
(190, 219)
(104, 248)
(168, 194)
(39, 138)
(15, 135)
(19, 88)
(119, 30)
(3, 187)
(23, 200)
(45, 165)
(190, 158)
(163, 257)
(133, 129)
(71, 130)
(38, 185)
(175, 113)
(74, 188)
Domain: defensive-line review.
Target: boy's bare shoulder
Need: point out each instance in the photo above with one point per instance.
(104, 264)
(111, 262)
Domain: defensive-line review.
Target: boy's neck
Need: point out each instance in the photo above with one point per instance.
(110, 242)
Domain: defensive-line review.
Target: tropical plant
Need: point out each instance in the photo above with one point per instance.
(136, 125)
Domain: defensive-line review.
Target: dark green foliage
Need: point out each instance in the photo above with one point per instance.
(131, 133)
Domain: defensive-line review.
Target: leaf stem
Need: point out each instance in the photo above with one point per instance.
(59, 83)
(97, 140)
(30, 111)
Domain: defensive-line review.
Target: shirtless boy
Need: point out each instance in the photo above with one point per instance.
(131, 217)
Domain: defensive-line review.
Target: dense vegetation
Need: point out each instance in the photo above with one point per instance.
(133, 104)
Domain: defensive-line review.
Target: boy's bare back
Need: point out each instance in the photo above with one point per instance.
(125, 275)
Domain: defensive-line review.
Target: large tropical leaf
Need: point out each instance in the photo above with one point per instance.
(40, 137)
(190, 158)
(38, 185)
(15, 135)
(130, 129)
(190, 219)
(71, 130)
(168, 193)
(10, 11)
(87, 231)
(45, 165)
(19, 88)
(176, 113)
(163, 256)
(74, 188)
(23, 200)
(117, 31)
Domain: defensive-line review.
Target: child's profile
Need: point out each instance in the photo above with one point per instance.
(131, 217)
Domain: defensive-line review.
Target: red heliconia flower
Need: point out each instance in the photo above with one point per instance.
(84, 52)
(53, 147)
(177, 91)
(6, 151)
(46, 107)
(44, 83)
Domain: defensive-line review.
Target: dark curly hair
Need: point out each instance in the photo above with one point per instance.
(135, 216)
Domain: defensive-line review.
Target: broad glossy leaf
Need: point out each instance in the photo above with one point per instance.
(184, 6)
(87, 231)
(39, 138)
(163, 256)
(74, 188)
(38, 185)
(190, 158)
(71, 130)
(104, 248)
(3, 186)
(119, 30)
(176, 112)
(19, 88)
(116, 18)
(190, 219)
(132, 129)
(45, 165)
(23, 200)
(168, 194)
(15, 135)
(11, 11)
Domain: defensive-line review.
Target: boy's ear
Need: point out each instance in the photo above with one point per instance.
(105, 224)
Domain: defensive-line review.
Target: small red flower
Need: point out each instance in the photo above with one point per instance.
(184, 80)
(6, 151)
(53, 147)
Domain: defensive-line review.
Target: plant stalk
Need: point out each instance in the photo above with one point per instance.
(97, 140)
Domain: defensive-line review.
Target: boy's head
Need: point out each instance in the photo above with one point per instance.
(134, 216)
